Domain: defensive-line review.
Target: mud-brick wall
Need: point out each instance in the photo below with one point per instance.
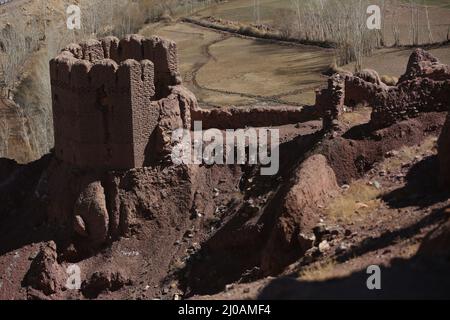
(103, 112)
(330, 100)
(105, 99)
(408, 99)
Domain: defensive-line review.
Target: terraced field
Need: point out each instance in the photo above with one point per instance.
(222, 69)
(225, 70)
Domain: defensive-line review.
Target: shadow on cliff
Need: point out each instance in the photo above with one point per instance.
(422, 186)
(235, 251)
(415, 278)
(391, 237)
(22, 213)
(424, 276)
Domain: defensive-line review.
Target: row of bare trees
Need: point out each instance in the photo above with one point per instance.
(17, 40)
(344, 23)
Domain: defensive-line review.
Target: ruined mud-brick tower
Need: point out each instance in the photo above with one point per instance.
(106, 96)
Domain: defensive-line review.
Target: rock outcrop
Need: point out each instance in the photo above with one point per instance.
(91, 219)
(311, 187)
(45, 273)
(423, 64)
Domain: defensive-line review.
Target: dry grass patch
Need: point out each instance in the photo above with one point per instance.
(359, 116)
(408, 154)
(323, 271)
(359, 199)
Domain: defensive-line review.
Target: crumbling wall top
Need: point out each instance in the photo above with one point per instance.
(114, 54)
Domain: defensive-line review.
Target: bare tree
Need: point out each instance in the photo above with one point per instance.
(395, 26)
(257, 11)
(414, 23)
(430, 33)
(17, 41)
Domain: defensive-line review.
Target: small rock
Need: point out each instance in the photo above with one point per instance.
(324, 246)
(345, 187)
(196, 214)
(377, 185)
(102, 281)
(176, 296)
(342, 248)
(393, 153)
(195, 246)
(361, 205)
(229, 287)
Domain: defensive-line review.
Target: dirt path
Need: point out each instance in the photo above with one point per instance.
(206, 53)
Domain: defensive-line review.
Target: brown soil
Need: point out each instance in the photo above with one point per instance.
(194, 231)
(387, 232)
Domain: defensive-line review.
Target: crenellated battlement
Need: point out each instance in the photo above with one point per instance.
(106, 98)
(70, 73)
(161, 52)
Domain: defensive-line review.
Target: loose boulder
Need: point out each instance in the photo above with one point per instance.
(45, 274)
(313, 184)
(91, 215)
